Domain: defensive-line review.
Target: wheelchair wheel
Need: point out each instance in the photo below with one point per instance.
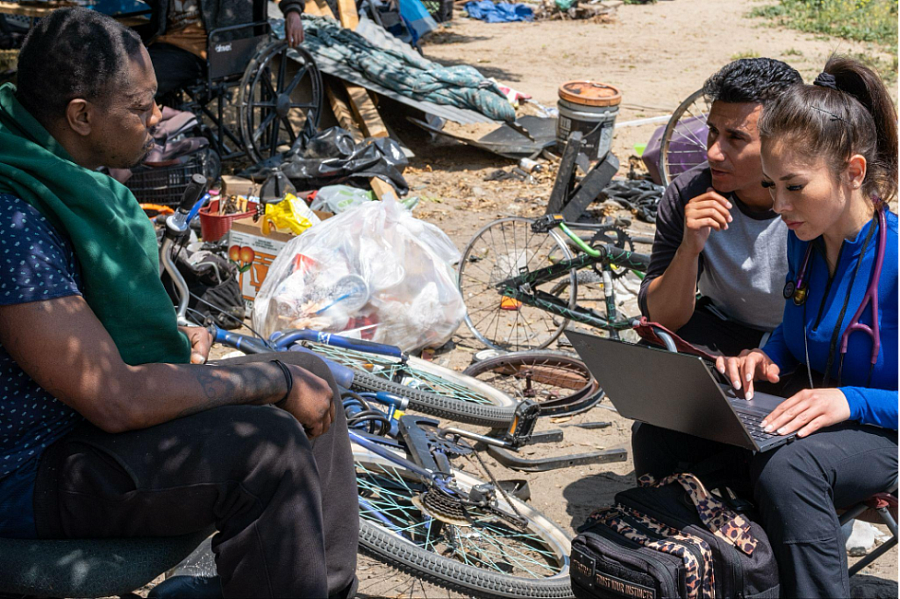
(280, 101)
(684, 139)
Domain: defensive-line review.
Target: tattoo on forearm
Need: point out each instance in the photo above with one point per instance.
(235, 385)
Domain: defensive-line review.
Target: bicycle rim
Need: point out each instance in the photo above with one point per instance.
(503, 249)
(561, 384)
(684, 139)
(488, 555)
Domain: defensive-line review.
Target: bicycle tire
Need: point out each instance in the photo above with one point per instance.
(387, 513)
(682, 124)
(560, 383)
(431, 389)
(484, 301)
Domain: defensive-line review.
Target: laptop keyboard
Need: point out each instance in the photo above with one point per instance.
(753, 422)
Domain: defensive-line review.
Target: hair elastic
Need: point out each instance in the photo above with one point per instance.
(826, 80)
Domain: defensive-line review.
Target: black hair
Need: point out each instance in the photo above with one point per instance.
(756, 80)
(71, 53)
(856, 116)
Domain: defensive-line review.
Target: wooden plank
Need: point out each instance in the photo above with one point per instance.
(323, 8)
(382, 188)
(365, 112)
(348, 15)
(35, 12)
(368, 121)
(342, 112)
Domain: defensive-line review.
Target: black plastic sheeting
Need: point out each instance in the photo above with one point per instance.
(332, 157)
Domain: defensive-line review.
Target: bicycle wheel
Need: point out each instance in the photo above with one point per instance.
(560, 383)
(430, 388)
(503, 249)
(684, 139)
(480, 551)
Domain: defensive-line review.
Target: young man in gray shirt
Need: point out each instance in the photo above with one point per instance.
(716, 230)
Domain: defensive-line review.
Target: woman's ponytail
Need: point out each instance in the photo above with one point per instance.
(861, 82)
(847, 111)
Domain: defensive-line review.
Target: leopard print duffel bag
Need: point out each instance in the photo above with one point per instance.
(672, 539)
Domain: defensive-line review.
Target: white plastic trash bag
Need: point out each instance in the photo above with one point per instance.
(374, 272)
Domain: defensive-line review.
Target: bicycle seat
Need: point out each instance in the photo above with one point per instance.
(89, 567)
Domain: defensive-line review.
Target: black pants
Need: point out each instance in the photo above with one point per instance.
(796, 489)
(709, 332)
(174, 67)
(285, 507)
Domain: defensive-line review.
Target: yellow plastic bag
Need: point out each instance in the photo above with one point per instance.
(288, 214)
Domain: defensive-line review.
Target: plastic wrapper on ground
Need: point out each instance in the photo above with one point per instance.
(374, 272)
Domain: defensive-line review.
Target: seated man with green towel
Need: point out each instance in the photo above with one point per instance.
(107, 429)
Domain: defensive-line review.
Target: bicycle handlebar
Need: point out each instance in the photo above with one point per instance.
(195, 189)
(283, 340)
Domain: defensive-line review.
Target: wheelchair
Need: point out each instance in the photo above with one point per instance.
(259, 97)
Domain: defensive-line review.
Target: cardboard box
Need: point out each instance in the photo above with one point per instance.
(238, 186)
(253, 253)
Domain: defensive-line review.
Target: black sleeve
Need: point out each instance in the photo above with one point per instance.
(669, 233)
(287, 6)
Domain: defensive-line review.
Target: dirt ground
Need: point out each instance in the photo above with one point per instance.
(657, 54)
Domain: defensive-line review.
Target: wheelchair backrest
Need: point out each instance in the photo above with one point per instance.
(229, 58)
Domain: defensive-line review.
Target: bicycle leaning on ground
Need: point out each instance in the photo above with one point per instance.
(418, 512)
(519, 279)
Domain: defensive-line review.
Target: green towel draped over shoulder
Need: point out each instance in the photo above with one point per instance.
(114, 242)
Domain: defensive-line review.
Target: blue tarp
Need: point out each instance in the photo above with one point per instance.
(417, 19)
(503, 12)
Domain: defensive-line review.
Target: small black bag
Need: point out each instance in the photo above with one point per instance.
(672, 539)
(215, 292)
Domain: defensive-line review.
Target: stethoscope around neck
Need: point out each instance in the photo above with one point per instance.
(799, 289)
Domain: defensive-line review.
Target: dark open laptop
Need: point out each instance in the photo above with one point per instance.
(676, 391)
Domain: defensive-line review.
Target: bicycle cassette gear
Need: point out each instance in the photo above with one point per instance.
(442, 507)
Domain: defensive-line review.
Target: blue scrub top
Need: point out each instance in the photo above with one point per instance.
(871, 401)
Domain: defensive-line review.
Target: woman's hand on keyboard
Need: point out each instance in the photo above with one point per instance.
(750, 365)
(807, 412)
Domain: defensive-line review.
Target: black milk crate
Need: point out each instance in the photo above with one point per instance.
(166, 184)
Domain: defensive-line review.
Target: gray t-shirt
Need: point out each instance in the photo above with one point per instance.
(742, 269)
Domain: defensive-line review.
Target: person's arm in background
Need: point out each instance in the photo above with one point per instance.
(293, 25)
(668, 293)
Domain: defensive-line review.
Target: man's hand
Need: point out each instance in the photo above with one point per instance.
(808, 411)
(310, 402)
(749, 366)
(201, 342)
(703, 214)
(293, 29)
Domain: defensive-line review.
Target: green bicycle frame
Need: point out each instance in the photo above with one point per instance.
(522, 287)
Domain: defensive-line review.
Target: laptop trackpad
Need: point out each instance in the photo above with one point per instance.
(761, 402)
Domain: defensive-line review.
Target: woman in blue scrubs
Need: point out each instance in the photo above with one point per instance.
(829, 156)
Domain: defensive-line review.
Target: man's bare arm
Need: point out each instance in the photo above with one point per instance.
(671, 297)
(62, 345)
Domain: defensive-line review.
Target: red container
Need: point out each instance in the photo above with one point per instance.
(214, 226)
